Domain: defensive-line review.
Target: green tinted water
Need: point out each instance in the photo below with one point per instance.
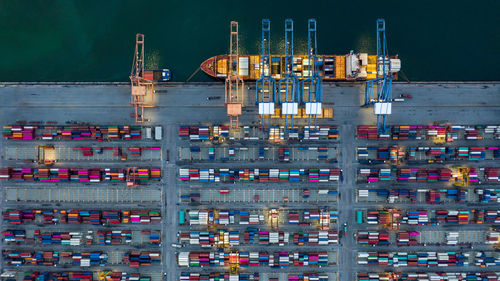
(94, 40)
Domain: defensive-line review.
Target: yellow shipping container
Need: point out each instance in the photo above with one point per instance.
(340, 67)
(277, 113)
(372, 59)
(328, 112)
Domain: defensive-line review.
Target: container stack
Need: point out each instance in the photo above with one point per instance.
(487, 259)
(433, 197)
(333, 132)
(379, 217)
(473, 133)
(138, 259)
(191, 276)
(491, 175)
(184, 132)
(367, 132)
(59, 238)
(123, 276)
(14, 236)
(284, 154)
(416, 218)
(452, 238)
(19, 132)
(477, 153)
(434, 276)
(436, 132)
(311, 133)
(373, 238)
(293, 217)
(259, 175)
(114, 237)
(63, 276)
(406, 238)
(493, 237)
(405, 259)
(75, 175)
(19, 216)
(86, 259)
(492, 216)
(488, 195)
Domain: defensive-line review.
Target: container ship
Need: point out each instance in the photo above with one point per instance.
(350, 67)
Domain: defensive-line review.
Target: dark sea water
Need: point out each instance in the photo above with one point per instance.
(94, 40)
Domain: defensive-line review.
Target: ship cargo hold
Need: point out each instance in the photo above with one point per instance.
(350, 67)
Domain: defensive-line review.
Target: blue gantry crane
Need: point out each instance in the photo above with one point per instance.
(378, 91)
(266, 84)
(311, 87)
(288, 86)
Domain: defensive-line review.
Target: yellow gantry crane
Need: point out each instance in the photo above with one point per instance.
(274, 218)
(234, 94)
(463, 179)
(46, 154)
(141, 88)
(234, 262)
(496, 244)
(103, 275)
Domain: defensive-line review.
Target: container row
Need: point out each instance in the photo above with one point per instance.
(79, 238)
(428, 259)
(123, 152)
(217, 276)
(461, 175)
(141, 175)
(397, 154)
(436, 133)
(430, 196)
(321, 218)
(418, 238)
(50, 154)
(80, 217)
(262, 195)
(224, 238)
(247, 259)
(261, 175)
(76, 276)
(59, 132)
(83, 259)
(276, 154)
(394, 217)
(275, 133)
(429, 276)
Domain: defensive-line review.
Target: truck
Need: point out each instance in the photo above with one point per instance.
(158, 75)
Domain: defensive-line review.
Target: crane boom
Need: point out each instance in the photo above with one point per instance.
(140, 87)
(234, 85)
(266, 84)
(378, 91)
(288, 85)
(311, 92)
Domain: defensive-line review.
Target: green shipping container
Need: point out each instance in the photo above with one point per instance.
(359, 217)
(181, 217)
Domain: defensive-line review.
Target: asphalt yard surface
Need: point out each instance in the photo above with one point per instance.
(188, 104)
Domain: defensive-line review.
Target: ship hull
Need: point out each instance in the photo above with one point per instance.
(351, 67)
